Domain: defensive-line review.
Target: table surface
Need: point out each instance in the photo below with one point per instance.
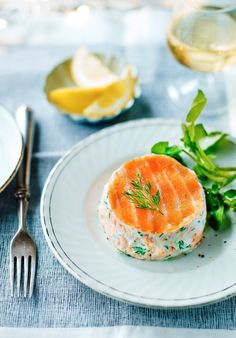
(59, 299)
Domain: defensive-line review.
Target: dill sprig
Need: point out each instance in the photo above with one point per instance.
(141, 196)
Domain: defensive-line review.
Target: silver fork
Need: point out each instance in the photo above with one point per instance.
(22, 247)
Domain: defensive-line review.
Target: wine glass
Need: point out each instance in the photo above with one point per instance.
(202, 37)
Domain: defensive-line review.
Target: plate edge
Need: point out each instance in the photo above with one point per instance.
(165, 304)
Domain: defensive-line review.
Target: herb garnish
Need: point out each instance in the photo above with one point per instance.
(200, 147)
(140, 250)
(141, 196)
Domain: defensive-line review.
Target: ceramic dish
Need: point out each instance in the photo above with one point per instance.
(60, 77)
(11, 148)
(69, 215)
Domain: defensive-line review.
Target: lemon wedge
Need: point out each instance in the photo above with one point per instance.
(74, 99)
(87, 70)
(86, 86)
(115, 97)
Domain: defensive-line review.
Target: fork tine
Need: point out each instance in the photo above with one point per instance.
(32, 275)
(12, 263)
(18, 275)
(26, 273)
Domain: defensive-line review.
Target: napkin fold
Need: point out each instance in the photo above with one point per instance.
(114, 332)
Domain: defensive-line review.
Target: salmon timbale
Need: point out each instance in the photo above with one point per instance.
(153, 207)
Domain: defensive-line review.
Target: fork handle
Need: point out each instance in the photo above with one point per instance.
(25, 121)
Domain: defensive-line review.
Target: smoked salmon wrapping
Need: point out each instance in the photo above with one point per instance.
(174, 227)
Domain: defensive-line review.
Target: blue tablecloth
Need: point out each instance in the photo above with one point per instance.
(59, 299)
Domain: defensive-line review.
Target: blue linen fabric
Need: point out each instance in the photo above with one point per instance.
(59, 299)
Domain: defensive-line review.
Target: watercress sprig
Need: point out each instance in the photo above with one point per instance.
(198, 145)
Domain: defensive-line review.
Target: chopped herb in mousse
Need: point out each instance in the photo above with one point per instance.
(148, 215)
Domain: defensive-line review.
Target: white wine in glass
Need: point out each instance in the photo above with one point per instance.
(202, 36)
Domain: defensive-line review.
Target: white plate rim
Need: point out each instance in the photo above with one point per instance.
(13, 173)
(99, 286)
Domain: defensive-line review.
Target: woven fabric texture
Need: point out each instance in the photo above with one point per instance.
(59, 299)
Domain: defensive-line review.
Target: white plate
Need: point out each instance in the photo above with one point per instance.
(11, 148)
(70, 222)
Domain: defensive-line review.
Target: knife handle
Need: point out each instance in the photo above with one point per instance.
(25, 121)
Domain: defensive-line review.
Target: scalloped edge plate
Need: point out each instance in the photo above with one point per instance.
(71, 227)
(11, 148)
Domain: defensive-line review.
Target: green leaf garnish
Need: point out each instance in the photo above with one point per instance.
(140, 195)
(200, 131)
(231, 194)
(163, 148)
(211, 140)
(159, 148)
(197, 106)
(230, 199)
(203, 148)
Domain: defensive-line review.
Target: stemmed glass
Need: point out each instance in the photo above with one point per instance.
(202, 37)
